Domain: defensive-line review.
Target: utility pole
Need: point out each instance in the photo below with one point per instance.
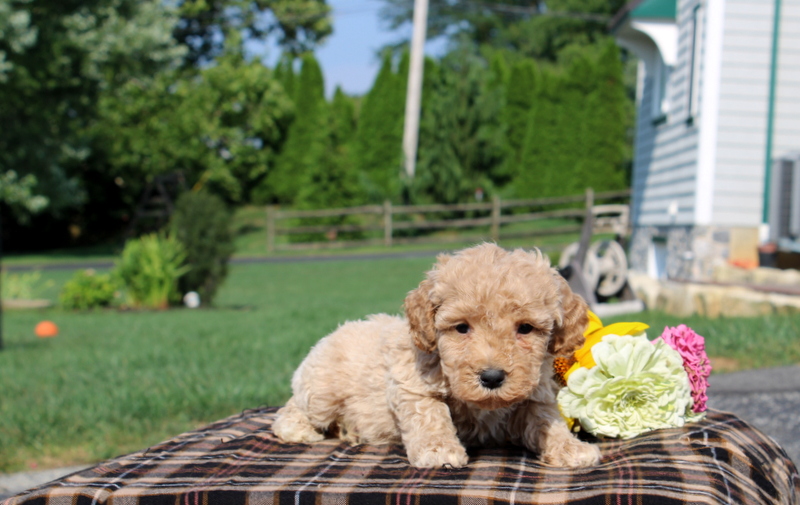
(414, 93)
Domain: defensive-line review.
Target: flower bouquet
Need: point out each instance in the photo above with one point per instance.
(620, 384)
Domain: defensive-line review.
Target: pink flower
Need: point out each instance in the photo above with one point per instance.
(692, 348)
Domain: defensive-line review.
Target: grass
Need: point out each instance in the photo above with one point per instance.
(102, 253)
(113, 382)
(739, 343)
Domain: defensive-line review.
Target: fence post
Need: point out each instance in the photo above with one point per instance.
(495, 230)
(589, 198)
(387, 223)
(270, 229)
(586, 230)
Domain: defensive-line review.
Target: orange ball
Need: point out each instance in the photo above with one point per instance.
(46, 329)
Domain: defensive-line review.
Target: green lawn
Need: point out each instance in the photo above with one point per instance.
(114, 382)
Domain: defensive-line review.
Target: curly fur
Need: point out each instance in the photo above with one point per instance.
(418, 379)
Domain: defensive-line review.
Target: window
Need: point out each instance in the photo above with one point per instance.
(660, 97)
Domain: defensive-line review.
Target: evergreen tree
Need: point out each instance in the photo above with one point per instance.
(201, 222)
(605, 124)
(284, 74)
(306, 142)
(576, 134)
(496, 132)
(540, 158)
(343, 118)
(333, 181)
(460, 144)
(499, 72)
(572, 100)
(378, 143)
(519, 98)
(534, 29)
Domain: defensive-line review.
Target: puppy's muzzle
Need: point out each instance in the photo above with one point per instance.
(492, 378)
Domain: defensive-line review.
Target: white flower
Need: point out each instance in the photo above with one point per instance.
(636, 386)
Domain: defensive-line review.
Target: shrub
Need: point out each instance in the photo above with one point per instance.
(87, 290)
(24, 286)
(201, 222)
(150, 268)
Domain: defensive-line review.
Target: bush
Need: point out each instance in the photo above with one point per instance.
(201, 222)
(24, 286)
(87, 290)
(150, 268)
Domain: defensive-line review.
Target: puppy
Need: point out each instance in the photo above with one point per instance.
(470, 365)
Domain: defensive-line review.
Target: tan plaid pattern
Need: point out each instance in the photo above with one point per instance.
(237, 461)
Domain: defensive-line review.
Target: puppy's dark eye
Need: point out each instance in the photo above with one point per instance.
(524, 329)
(462, 328)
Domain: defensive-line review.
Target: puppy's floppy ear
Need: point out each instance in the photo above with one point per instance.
(420, 312)
(567, 336)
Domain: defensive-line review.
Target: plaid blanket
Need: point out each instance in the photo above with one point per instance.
(720, 460)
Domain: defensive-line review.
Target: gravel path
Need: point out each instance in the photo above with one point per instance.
(769, 399)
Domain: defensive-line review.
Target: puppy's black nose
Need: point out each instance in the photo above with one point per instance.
(492, 378)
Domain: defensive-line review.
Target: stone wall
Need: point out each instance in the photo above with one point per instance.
(756, 292)
(693, 252)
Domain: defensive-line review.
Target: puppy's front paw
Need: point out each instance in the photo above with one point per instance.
(444, 454)
(572, 453)
(292, 426)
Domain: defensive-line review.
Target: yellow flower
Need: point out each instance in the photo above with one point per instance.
(594, 333)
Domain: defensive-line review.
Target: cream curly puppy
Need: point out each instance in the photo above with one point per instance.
(470, 365)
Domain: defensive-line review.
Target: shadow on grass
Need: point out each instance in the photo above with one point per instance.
(249, 228)
(24, 345)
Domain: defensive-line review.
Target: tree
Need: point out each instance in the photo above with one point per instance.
(543, 163)
(208, 27)
(18, 195)
(284, 74)
(535, 29)
(222, 129)
(201, 223)
(577, 127)
(462, 147)
(606, 123)
(333, 180)
(520, 95)
(16, 34)
(378, 143)
(58, 58)
(479, 21)
(306, 140)
(564, 24)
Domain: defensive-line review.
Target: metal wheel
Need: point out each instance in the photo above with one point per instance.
(591, 269)
(612, 267)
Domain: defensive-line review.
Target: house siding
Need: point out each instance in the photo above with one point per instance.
(786, 138)
(709, 158)
(665, 160)
(743, 105)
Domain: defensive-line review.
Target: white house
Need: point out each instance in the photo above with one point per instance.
(718, 100)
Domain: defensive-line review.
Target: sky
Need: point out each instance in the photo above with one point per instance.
(349, 57)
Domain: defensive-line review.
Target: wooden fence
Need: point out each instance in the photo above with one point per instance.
(390, 225)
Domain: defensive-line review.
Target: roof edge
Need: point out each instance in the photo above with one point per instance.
(623, 13)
